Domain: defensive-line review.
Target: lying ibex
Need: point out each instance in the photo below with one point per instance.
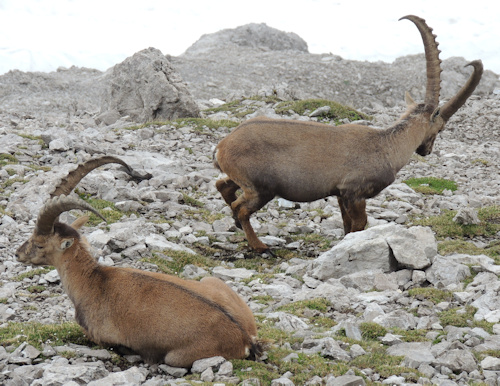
(305, 161)
(160, 317)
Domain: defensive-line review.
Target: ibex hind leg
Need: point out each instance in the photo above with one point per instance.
(245, 205)
(227, 188)
(353, 214)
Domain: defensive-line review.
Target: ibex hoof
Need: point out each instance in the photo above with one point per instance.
(264, 249)
(237, 223)
(269, 252)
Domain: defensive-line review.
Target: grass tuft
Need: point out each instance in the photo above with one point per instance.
(431, 185)
(447, 247)
(337, 111)
(33, 273)
(371, 330)
(463, 317)
(435, 295)
(37, 334)
(179, 260)
(198, 124)
(444, 226)
(111, 213)
(6, 159)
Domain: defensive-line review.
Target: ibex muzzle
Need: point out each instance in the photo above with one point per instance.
(306, 161)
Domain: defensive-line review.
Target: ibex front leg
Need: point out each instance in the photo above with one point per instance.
(353, 214)
(246, 204)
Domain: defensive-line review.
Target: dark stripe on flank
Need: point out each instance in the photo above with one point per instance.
(202, 299)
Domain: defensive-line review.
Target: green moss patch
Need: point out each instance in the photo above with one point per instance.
(37, 334)
(431, 185)
(337, 111)
(444, 226)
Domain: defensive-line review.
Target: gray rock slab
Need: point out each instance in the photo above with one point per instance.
(490, 343)
(232, 273)
(61, 373)
(158, 242)
(358, 251)
(201, 365)
(331, 349)
(177, 372)
(457, 360)
(132, 376)
(288, 322)
(346, 380)
(444, 272)
(413, 248)
(397, 318)
(490, 363)
(415, 353)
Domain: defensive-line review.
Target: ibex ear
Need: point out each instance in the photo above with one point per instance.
(79, 222)
(409, 100)
(66, 243)
(435, 114)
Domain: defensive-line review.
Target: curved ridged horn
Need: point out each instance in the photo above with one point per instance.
(450, 107)
(432, 60)
(54, 207)
(67, 185)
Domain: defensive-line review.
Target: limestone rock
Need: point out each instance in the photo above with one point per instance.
(458, 360)
(467, 216)
(201, 365)
(132, 376)
(146, 87)
(415, 353)
(251, 35)
(346, 380)
(382, 247)
(444, 272)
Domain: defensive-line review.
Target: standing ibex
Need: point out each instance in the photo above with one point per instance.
(161, 317)
(306, 161)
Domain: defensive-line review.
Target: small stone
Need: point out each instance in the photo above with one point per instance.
(207, 375)
(201, 365)
(225, 369)
(31, 352)
(293, 357)
(282, 382)
(346, 380)
(394, 380)
(356, 351)
(320, 111)
(177, 372)
(491, 363)
(390, 339)
(352, 331)
(467, 216)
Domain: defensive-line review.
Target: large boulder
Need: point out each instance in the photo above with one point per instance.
(146, 87)
(387, 248)
(259, 36)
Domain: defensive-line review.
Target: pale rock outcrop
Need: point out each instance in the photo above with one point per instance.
(146, 87)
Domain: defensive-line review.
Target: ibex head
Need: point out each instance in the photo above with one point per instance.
(51, 239)
(438, 115)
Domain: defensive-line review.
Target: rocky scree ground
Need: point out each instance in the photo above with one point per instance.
(416, 299)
